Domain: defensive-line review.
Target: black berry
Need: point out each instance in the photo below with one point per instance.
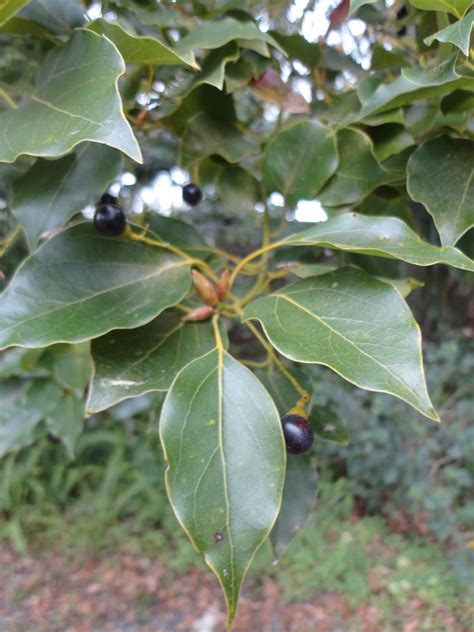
(192, 194)
(298, 433)
(108, 199)
(110, 221)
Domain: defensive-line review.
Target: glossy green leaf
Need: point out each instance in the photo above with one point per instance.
(80, 285)
(414, 84)
(456, 7)
(458, 33)
(441, 177)
(131, 363)
(22, 406)
(206, 135)
(138, 49)
(378, 236)
(8, 8)
(52, 191)
(66, 421)
(301, 478)
(215, 34)
(390, 139)
(358, 172)
(57, 16)
(305, 270)
(214, 66)
(300, 160)
(225, 455)
(352, 323)
(76, 99)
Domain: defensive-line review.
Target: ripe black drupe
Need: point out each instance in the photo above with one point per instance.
(110, 221)
(298, 433)
(192, 194)
(108, 199)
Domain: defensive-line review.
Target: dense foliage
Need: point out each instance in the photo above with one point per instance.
(223, 318)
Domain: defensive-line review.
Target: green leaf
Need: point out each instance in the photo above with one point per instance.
(354, 324)
(412, 85)
(300, 160)
(71, 365)
(305, 270)
(206, 135)
(143, 50)
(179, 233)
(238, 189)
(390, 139)
(458, 33)
(19, 362)
(80, 285)
(20, 26)
(215, 34)
(441, 177)
(52, 191)
(225, 454)
(358, 173)
(380, 237)
(131, 363)
(22, 406)
(66, 421)
(214, 66)
(327, 425)
(58, 16)
(76, 99)
(456, 7)
(299, 498)
(355, 5)
(8, 8)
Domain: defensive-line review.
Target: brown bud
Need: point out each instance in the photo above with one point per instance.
(205, 289)
(200, 313)
(222, 285)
